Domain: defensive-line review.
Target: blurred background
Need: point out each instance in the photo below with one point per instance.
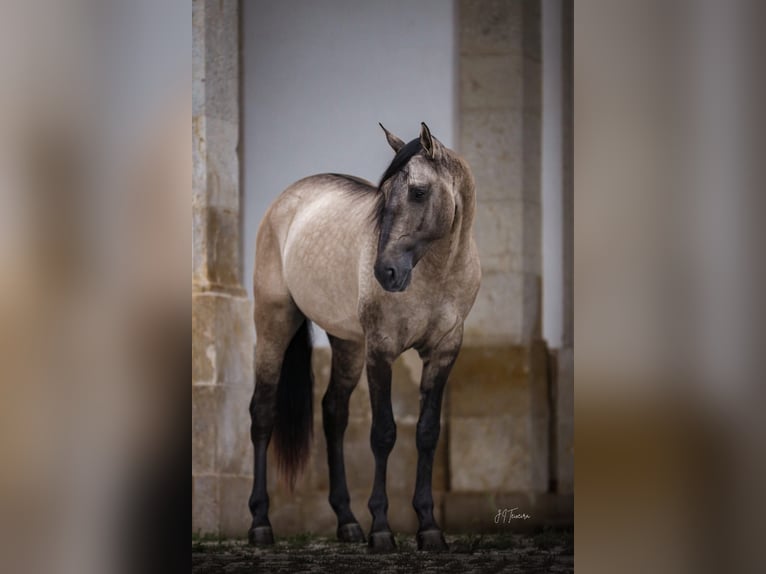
(301, 92)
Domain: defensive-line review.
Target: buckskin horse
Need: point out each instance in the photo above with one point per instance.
(381, 269)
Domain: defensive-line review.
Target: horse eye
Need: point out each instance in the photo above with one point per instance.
(418, 193)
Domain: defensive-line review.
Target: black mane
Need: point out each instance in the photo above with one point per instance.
(400, 159)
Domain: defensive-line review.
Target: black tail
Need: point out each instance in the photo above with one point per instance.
(294, 421)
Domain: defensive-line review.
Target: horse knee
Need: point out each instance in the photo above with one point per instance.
(427, 436)
(383, 438)
(262, 410)
(335, 406)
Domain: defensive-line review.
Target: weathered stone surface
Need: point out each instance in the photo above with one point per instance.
(235, 513)
(508, 236)
(539, 454)
(222, 60)
(215, 59)
(497, 316)
(204, 435)
(222, 339)
(565, 421)
(476, 512)
(234, 454)
(500, 83)
(286, 513)
(533, 88)
(489, 381)
(504, 390)
(565, 455)
(199, 253)
(215, 250)
(198, 57)
(499, 453)
(199, 164)
(531, 14)
(538, 382)
(531, 157)
(565, 383)
(221, 163)
(532, 307)
(531, 238)
(499, 228)
(222, 247)
(215, 139)
(205, 506)
(491, 143)
(489, 26)
(491, 81)
(203, 341)
(491, 453)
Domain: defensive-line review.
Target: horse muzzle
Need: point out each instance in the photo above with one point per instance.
(393, 277)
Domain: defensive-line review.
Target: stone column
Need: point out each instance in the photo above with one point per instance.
(498, 399)
(500, 136)
(222, 331)
(565, 382)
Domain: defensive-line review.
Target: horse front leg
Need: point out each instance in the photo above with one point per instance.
(347, 365)
(382, 439)
(437, 364)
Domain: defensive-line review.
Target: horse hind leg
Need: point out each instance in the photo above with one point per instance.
(347, 365)
(278, 323)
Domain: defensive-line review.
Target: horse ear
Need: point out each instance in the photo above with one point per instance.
(430, 144)
(395, 143)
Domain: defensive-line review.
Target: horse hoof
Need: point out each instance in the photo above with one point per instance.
(260, 536)
(350, 532)
(432, 541)
(382, 542)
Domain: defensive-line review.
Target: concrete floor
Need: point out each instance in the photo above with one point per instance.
(547, 551)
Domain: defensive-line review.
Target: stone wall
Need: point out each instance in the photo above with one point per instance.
(499, 397)
(565, 372)
(503, 412)
(499, 135)
(222, 331)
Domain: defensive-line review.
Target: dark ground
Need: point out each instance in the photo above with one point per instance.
(547, 551)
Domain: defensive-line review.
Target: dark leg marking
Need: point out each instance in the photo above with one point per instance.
(347, 365)
(262, 408)
(436, 370)
(382, 439)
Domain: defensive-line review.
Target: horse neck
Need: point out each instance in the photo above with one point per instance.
(450, 252)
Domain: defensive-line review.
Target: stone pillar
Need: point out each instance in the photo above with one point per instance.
(565, 378)
(222, 331)
(498, 407)
(500, 137)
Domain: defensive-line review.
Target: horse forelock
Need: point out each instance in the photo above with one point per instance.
(402, 157)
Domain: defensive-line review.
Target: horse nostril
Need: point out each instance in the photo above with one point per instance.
(391, 272)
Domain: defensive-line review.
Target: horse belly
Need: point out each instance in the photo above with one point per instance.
(321, 269)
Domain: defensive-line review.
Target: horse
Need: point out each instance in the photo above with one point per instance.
(381, 269)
